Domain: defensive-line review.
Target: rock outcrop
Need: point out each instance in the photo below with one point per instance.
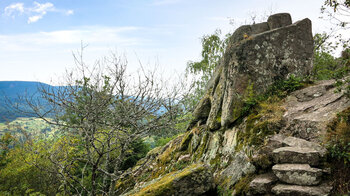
(257, 56)
(195, 179)
(292, 170)
(310, 110)
(224, 151)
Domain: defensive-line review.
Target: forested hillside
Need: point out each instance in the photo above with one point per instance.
(15, 92)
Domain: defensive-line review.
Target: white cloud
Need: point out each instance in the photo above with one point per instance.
(15, 7)
(34, 13)
(42, 8)
(34, 18)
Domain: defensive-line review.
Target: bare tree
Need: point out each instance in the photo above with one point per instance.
(337, 12)
(102, 110)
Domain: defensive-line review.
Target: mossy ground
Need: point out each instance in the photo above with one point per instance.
(265, 120)
(242, 186)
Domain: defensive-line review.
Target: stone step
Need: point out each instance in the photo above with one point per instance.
(299, 174)
(298, 142)
(296, 190)
(262, 184)
(302, 155)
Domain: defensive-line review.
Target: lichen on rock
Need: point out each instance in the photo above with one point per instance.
(281, 49)
(194, 180)
(223, 150)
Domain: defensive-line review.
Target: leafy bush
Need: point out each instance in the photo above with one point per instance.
(326, 66)
(138, 150)
(338, 145)
(338, 137)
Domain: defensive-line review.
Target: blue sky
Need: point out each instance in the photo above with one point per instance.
(37, 37)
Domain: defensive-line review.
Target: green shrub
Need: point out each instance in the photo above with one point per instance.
(338, 145)
(138, 150)
(325, 66)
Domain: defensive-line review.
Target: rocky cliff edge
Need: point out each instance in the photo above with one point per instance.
(274, 150)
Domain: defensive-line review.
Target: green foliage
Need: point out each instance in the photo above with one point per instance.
(23, 173)
(250, 100)
(7, 142)
(242, 186)
(33, 127)
(326, 66)
(161, 141)
(267, 105)
(337, 141)
(213, 48)
(283, 87)
(263, 120)
(338, 137)
(221, 191)
(138, 150)
(279, 89)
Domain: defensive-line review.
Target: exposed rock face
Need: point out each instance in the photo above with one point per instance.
(256, 57)
(193, 180)
(309, 110)
(285, 132)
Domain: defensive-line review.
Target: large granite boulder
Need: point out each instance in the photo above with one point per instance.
(257, 56)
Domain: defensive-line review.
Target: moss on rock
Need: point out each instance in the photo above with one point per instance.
(186, 141)
(264, 121)
(178, 182)
(242, 186)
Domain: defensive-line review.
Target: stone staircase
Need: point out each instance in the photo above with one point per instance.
(295, 171)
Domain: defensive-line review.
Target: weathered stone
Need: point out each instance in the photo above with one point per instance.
(309, 110)
(298, 142)
(202, 110)
(193, 180)
(255, 58)
(262, 184)
(279, 20)
(231, 172)
(213, 147)
(296, 155)
(263, 158)
(272, 143)
(299, 174)
(230, 141)
(245, 31)
(296, 190)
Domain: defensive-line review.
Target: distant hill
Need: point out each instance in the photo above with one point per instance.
(24, 127)
(11, 90)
